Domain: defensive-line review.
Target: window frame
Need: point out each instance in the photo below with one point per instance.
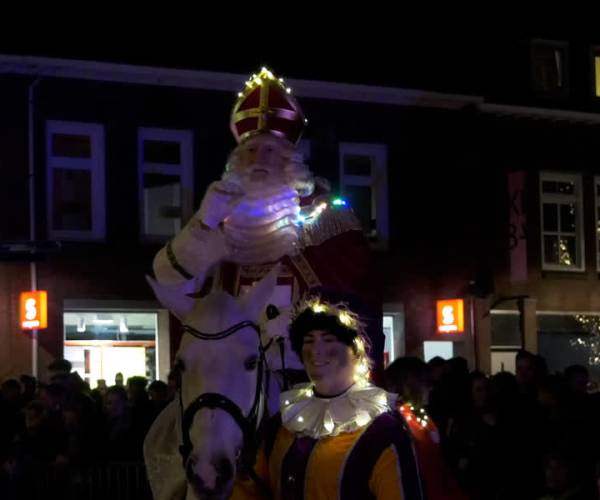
(563, 46)
(377, 181)
(184, 170)
(95, 164)
(579, 220)
(595, 72)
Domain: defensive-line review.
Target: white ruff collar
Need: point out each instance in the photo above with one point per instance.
(303, 412)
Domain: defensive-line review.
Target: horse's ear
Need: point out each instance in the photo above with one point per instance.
(258, 296)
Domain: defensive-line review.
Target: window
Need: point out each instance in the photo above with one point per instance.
(506, 339)
(561, 222)
(101, 343)
(569, 338)
(437, 348)
(505, 329)
(165, 163)
(75, 169)
(363, 182)
(393, 331)
(550, 67)
(596, 70)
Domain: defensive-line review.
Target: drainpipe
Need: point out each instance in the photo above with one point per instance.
(32, 227)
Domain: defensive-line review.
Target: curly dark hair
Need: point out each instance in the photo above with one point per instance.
(309, 320)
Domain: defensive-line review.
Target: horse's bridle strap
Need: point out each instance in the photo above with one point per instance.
(247, 424)
(213, 401)
(223, 334)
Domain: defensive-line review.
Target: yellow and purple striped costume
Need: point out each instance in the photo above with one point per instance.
(374, 462)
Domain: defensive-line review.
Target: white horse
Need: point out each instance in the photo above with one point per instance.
(200, 441)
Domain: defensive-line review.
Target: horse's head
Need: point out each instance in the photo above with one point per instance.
(220, 362)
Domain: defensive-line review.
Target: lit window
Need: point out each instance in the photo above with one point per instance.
(550, 67)
(561, 222)
(597, 74)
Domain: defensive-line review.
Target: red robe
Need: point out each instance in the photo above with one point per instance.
(438, 483)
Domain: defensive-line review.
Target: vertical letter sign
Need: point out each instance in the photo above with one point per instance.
(450, 316)
(34, 310)
(517, 237)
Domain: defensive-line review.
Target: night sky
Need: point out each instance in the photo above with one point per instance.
(467, 60)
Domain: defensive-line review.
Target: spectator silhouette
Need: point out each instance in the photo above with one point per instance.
(158, 394)
(121, 439)
(562, 479)
(59, 371)
(472, 441)
(29, 388)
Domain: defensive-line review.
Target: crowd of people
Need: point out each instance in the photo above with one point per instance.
(63, 426)
(531, 435)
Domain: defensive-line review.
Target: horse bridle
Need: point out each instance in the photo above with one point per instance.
(248, 424)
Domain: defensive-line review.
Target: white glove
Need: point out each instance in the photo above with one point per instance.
(220, 199)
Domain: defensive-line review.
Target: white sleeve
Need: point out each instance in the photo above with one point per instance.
(195, 249)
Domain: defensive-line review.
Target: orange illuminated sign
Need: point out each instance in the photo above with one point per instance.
(34, 310)
(450, 316)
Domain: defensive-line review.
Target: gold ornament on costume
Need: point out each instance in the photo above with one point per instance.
(267, 106)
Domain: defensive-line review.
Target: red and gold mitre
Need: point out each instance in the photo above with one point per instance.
(266, 105)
